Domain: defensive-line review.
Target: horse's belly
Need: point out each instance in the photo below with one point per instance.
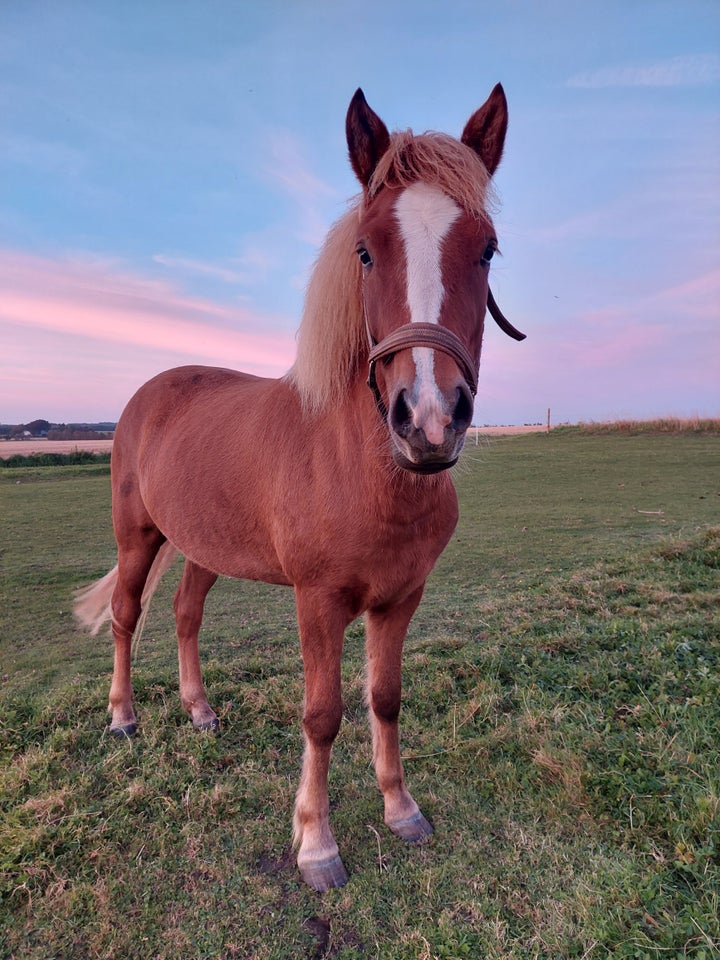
(227, 537)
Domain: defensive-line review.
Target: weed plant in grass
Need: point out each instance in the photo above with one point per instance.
(560, 724)
(664, 425)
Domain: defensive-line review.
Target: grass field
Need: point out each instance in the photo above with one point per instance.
(561, 726)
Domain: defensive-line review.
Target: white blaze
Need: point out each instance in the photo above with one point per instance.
(425, 215)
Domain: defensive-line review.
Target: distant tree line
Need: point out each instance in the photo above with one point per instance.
(77, 433)
(57, 431)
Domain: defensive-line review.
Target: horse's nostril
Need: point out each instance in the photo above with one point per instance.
(462, 414)
(401, 415)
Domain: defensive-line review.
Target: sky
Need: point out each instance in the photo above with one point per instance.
(169, 169)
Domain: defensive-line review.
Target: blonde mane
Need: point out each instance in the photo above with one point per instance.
(332, 342)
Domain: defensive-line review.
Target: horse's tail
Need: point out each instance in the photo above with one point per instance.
(93, 604)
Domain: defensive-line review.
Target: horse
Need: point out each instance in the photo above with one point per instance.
(317, 482)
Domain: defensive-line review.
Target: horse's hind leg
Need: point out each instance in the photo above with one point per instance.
(385, 629)
(135, 558)
(189, 602)
(322, 623)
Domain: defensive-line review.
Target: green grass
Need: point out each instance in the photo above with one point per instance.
(77, 457)
(561, 725)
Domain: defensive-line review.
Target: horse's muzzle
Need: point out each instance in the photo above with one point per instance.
(428, 437)
(427, 422)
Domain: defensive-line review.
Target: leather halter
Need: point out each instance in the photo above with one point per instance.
(437, 338)
(420, 335)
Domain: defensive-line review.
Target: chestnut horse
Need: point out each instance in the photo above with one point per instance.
(315, 481)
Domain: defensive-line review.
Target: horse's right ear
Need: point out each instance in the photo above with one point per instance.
(367, 137)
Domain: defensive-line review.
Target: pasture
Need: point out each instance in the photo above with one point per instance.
(560, 725)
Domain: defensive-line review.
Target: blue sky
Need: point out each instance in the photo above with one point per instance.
(168, 170)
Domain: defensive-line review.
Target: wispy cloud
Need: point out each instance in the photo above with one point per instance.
(303, 207)
(702, 69)
(45, 155)
(253, 266)
(312, 196)
(206, 269)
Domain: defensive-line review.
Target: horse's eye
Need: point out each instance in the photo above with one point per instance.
(489, 251)
(365, 259)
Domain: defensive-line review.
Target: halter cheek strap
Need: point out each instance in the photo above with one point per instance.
(501, 320)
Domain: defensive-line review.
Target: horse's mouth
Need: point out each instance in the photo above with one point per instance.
(417, 456)
(423, 466)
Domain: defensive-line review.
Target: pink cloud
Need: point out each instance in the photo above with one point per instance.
(91, 321)
(226, 274)
(90, 299)
(699, 296)
(651, 354)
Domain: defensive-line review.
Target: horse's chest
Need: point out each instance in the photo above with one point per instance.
(413, 543)
(375, 556)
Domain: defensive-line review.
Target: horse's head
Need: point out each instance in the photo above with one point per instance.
(425, 242)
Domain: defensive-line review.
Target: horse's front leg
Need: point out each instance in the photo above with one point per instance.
(322, 623)
(194, 586)
(386, 629)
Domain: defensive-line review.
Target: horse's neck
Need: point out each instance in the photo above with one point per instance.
(355, 418)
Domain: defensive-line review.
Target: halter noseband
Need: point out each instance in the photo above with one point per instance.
(437, 338)
(420, 335)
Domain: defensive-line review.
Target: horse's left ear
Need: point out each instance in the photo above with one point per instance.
(367, 137)
(485, 130)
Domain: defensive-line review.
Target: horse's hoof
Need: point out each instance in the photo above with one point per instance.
(414, 829)
(324, 874)
(126, 730)
(211, 726)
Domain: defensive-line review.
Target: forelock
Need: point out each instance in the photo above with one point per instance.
(437, 160)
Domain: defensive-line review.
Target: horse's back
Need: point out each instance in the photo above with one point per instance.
(168, 394)
(190, 402)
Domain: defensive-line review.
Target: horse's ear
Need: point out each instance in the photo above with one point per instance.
(367, 137)
(485, 130)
